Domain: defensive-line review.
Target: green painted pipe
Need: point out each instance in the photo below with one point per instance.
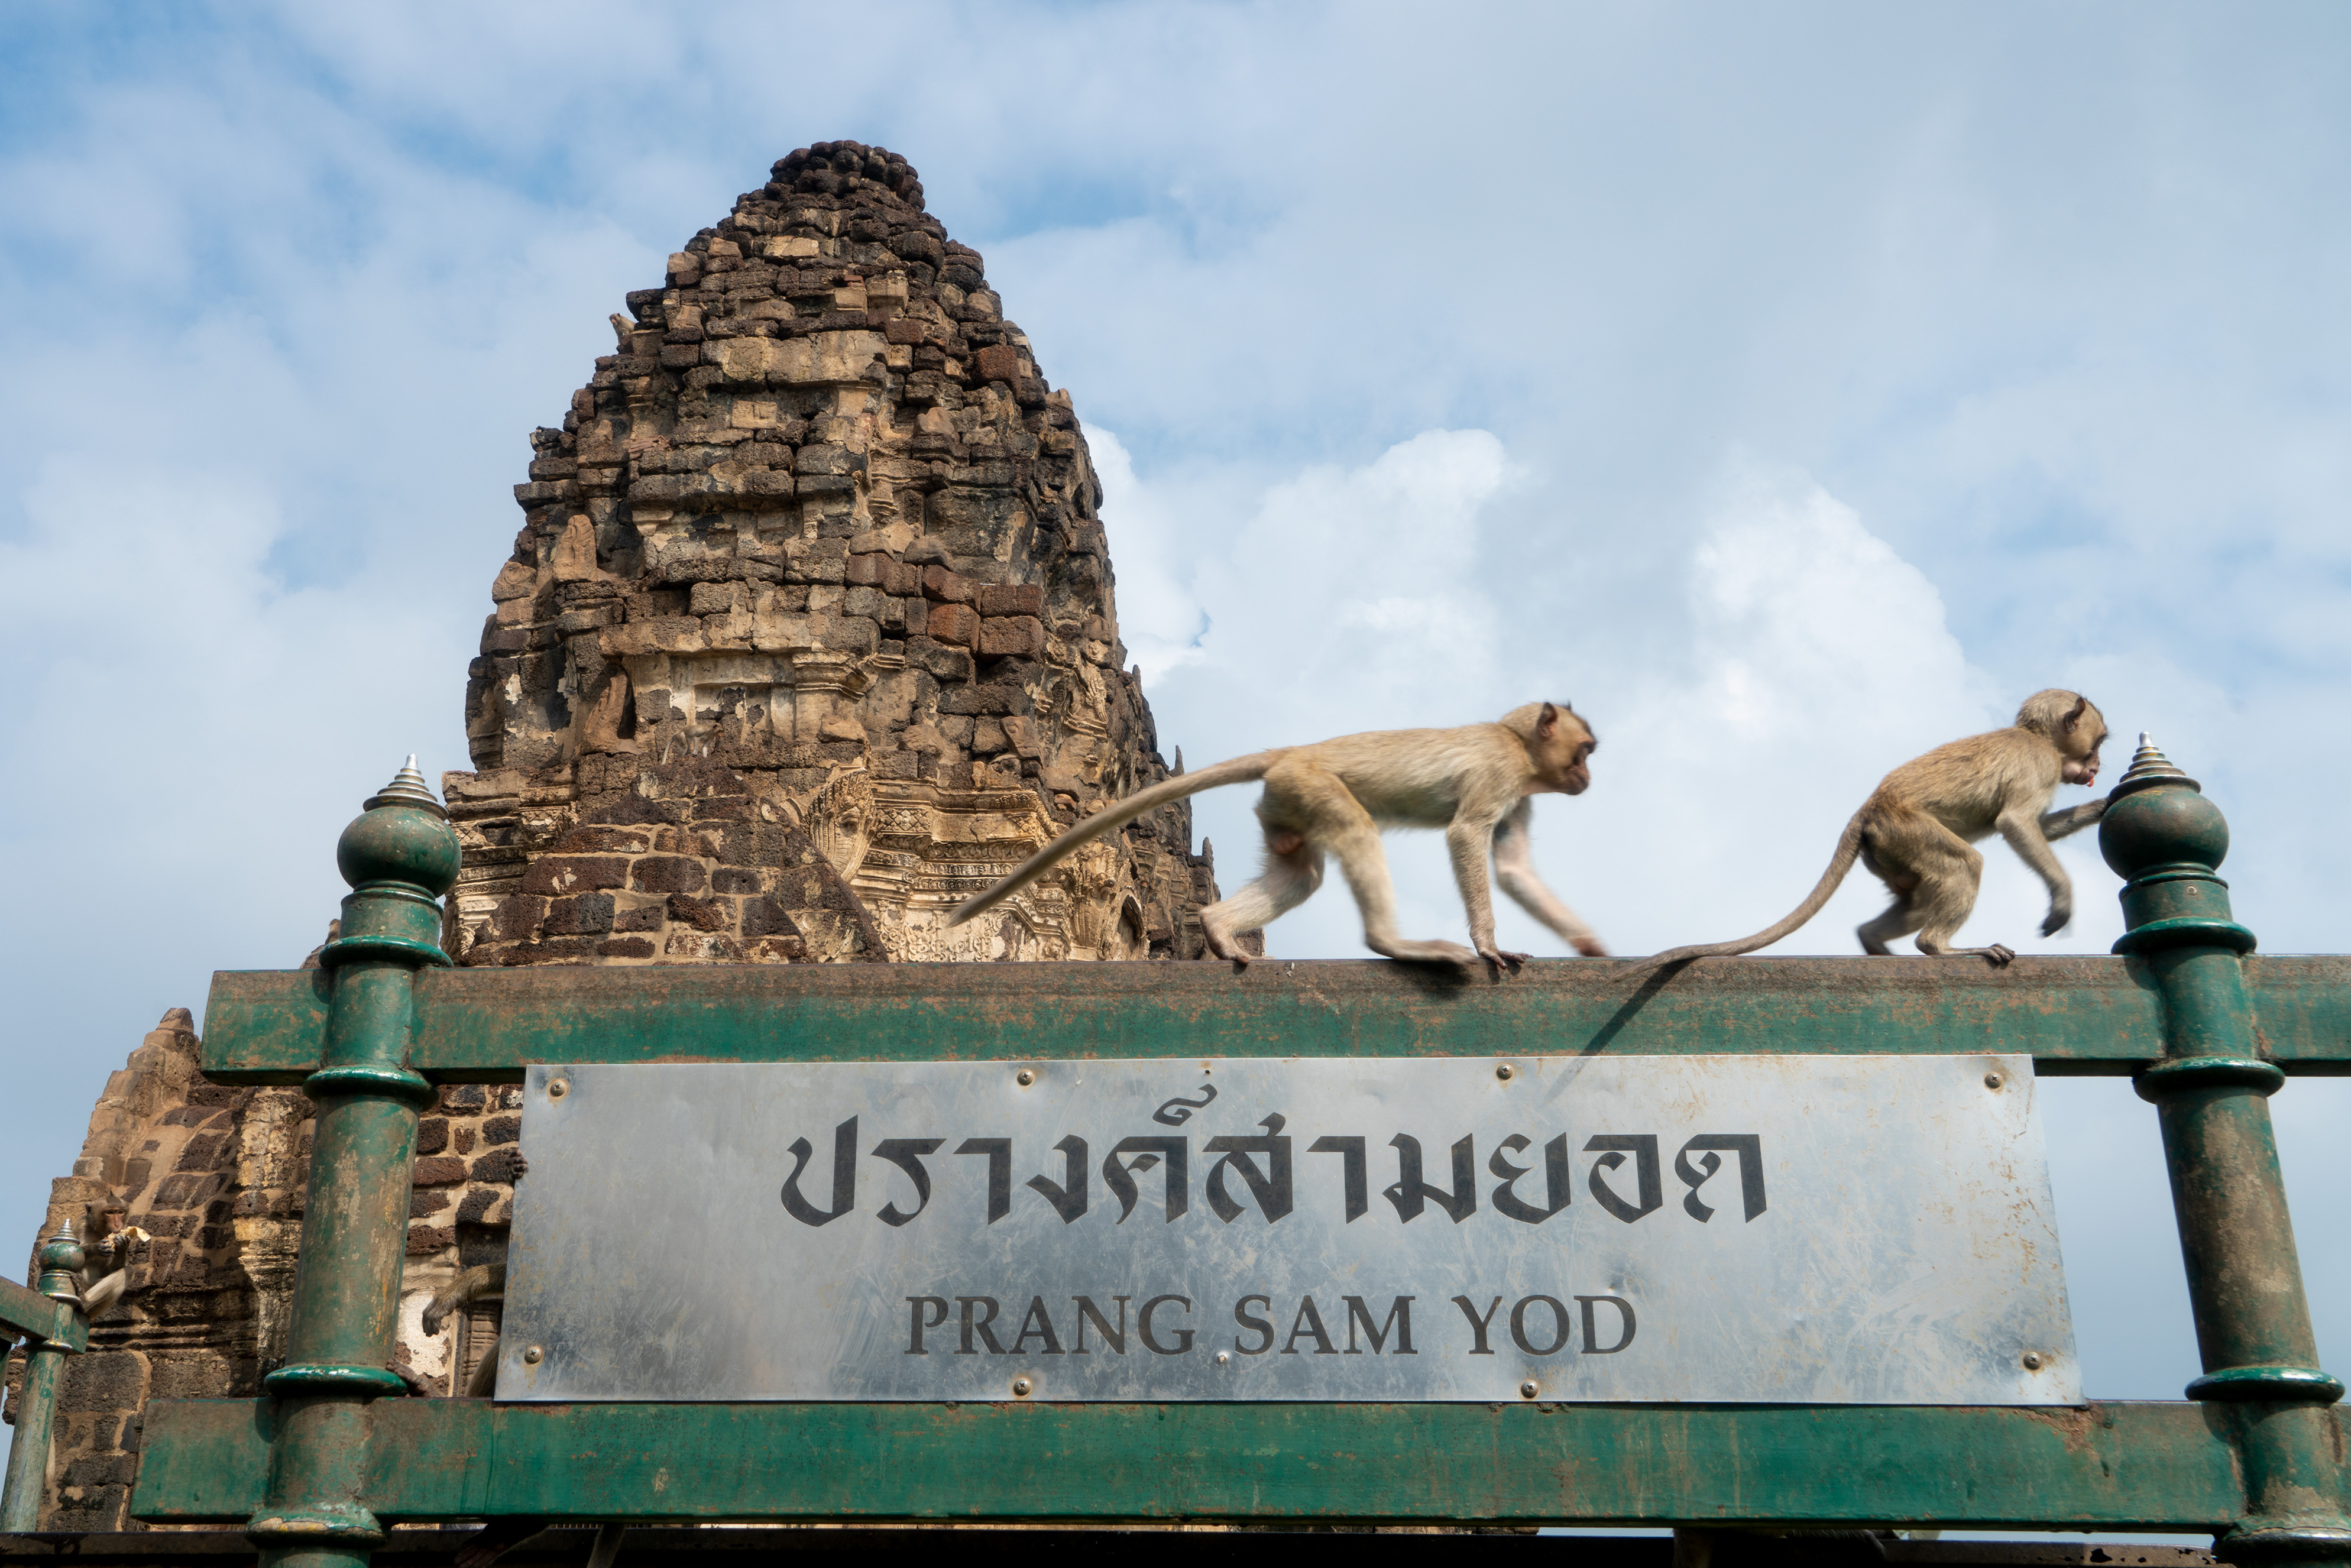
(400, 856)
(2212, 1094)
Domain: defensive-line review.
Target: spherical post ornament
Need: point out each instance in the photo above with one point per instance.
(400, 856)
(2165, 841)
(61, 1261)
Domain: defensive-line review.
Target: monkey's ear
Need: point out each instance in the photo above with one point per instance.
(2073, 719)
(1546, 725)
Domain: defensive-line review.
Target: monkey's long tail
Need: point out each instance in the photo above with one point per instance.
(1848, 850)
(1240, 770)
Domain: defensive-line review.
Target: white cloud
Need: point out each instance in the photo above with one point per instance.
(1149, 530)
(1346, 580)
(191, 721)
(1805, 618)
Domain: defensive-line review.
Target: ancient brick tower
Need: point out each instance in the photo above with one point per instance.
(810, 632)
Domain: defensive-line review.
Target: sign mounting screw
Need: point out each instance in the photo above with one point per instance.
(1506, 1072)
(1020, 1386)
(557, 1087)
(1528, 1389)
(1024, 1078)
(1993, 1079)
(534, 1356)
(1223, 1358)
(2032, 1361)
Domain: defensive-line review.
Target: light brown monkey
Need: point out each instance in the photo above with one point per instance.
(1475, 782)
(106, 1265)
(1914, 831)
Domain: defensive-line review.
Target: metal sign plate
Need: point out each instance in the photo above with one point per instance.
(1797, 1228)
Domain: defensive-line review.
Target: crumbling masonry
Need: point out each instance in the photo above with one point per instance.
(809, 633)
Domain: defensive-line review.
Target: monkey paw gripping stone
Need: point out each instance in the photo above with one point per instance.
(809, 632)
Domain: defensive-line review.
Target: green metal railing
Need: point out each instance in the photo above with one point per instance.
(51, 1318)
(319, 1466)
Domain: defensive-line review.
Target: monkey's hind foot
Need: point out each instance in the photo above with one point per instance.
(1221, 944)
(1998, 955)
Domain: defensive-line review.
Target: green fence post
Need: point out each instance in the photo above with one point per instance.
(400, 856)
(36, 1401)
(2211, 1094)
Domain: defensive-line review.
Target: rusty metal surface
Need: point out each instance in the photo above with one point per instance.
(654, 1546)
(2071, 1015)
(2166, 1467)
(1791, 1228)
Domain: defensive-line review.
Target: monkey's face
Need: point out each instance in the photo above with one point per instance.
(2081, 769)
(1570, 760)
(2084, 735)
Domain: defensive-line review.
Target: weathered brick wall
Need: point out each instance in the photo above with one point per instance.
(810, 631)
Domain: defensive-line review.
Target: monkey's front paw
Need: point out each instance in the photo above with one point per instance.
(516, 1166)
(2058, 920)
(1500, 959)
(1999, 955)
(1590, 946)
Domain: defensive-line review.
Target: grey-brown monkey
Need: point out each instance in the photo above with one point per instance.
(1333, 798)
(1917, 830)
(481, 1279)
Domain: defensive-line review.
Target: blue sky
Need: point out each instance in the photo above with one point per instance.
(1793, 388)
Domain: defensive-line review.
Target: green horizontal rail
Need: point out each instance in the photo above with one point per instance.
(43, 1317)
(2142, 1466)
(2076, 1016)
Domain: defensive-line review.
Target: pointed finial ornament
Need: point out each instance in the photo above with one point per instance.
(407, 788)
(2150, 766)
